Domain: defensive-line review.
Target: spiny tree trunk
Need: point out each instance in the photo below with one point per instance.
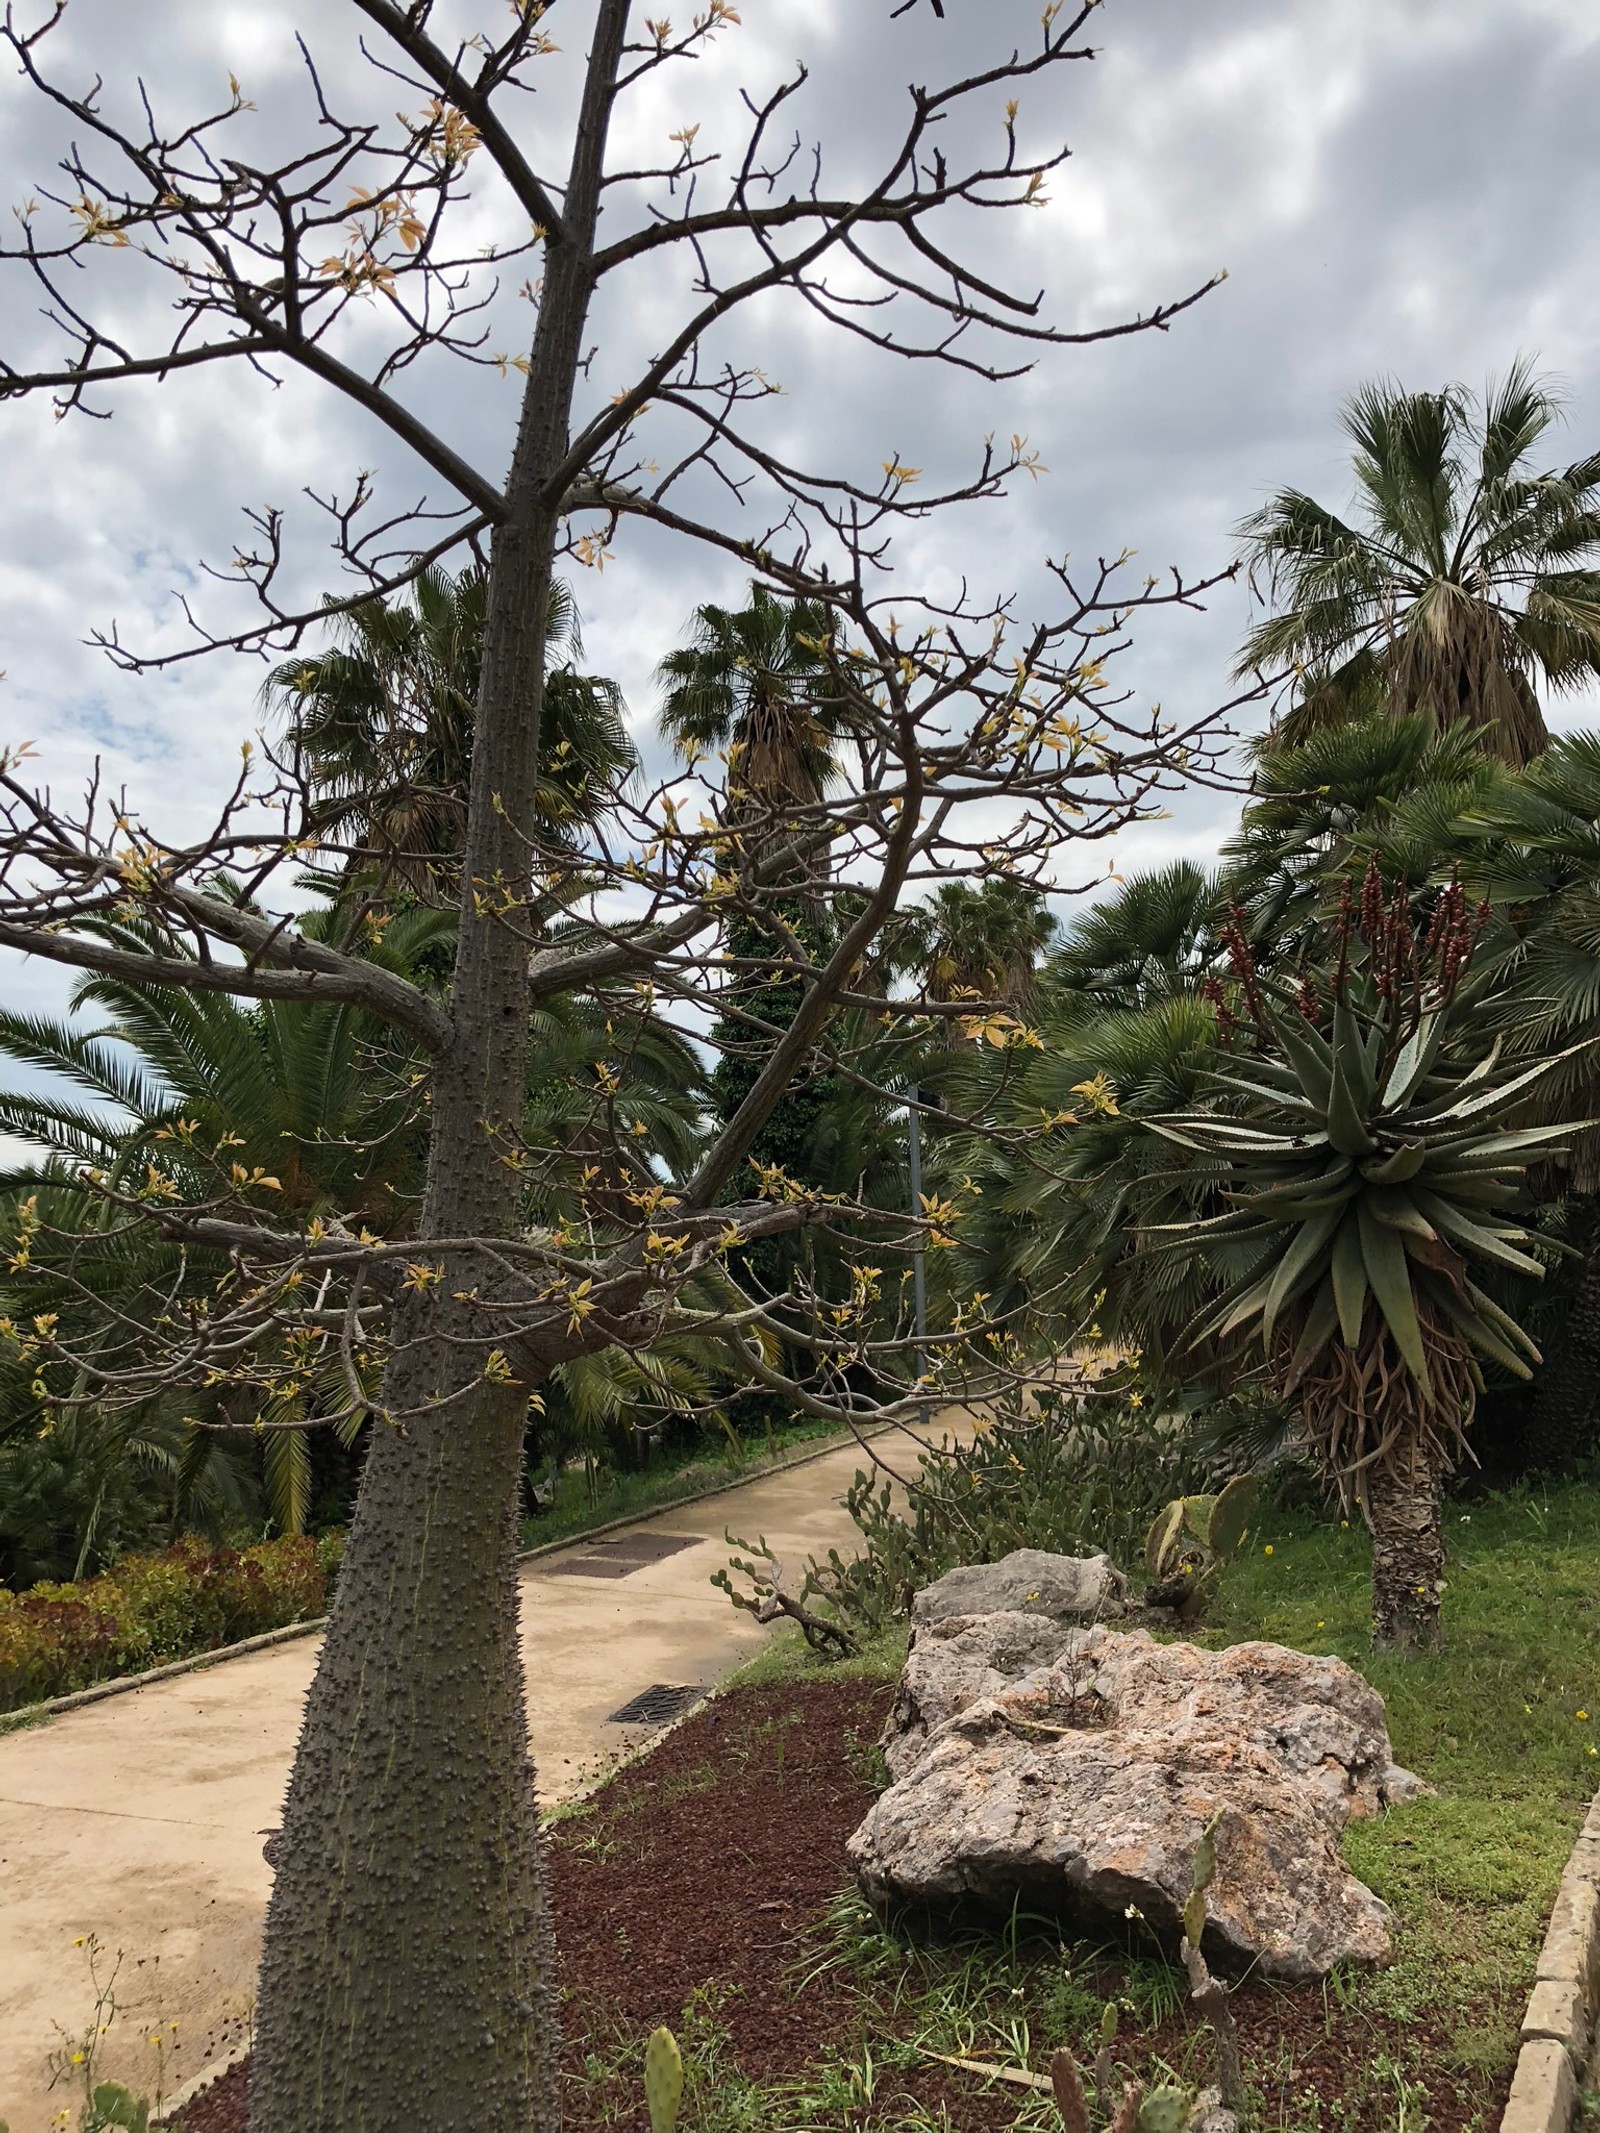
(1405, 1510)
(409, 1870)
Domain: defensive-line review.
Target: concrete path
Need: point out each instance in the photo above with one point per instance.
(139, 1820)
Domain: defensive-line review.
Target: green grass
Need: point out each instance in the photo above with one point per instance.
(1505, 1722)
(671, 1478)
(1493, 1721)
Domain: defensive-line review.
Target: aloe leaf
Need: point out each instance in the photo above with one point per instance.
(1349, 1280)
(1299, 1262)
(1477, 1237)
(1413, 1061)
(1347, 1129)
(1389, 1272)
(1500, 1096)
(1394, 1169)
(1244, 1304)
(1486, 1337)
(1502, 1320)
(1480, 1152)
(1396, 1207)
(1350, 1058)
(1474, 1078)
(1322, 1322)
(1289, 1099)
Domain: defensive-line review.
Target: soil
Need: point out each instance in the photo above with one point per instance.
(694, 1891)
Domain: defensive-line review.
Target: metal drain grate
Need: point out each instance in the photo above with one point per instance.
(657, 1705)
(620, 1557)
(642, 1548)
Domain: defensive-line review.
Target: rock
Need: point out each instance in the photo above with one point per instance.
(1030, 1581)
(1076, 1769)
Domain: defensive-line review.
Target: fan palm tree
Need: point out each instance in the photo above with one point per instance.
(1394, 788)
(1067, 1172)
(1533, 845)
(754, 682)
(978, 943)
(381, 728)
(1153, 939)
(1467, 576)
(317, 1098)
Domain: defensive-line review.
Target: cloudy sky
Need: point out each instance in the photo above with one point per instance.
(1407, 189)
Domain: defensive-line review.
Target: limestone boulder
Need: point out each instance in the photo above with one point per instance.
(1029, 1581)
(1075, 1769)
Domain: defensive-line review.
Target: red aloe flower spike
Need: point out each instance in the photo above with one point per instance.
(1372, 902)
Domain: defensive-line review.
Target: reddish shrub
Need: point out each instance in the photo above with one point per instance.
(151, 1608)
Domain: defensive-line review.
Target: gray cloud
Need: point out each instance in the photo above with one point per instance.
(1393, 190)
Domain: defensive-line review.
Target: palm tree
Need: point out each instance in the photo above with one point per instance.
(317, 1098)
(755, 682)
(1466, 577)
(977, 943)
(1154, 939)
(1537, 854)
(329, 1108)
(1396, 788)
(1068, 1174)
(381, 728)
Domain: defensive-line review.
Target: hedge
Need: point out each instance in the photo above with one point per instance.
(149, 1609)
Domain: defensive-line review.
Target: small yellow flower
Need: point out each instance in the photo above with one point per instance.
(1528, 1707)
(1322, 1625)
(1267, 1550)
(1582, 1714)
(1344, 1525)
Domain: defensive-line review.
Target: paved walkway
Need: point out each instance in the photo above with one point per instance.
(140, 1819)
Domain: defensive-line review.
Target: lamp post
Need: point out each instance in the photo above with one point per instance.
(919, 1284)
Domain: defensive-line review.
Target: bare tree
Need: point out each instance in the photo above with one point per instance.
(406, 1975)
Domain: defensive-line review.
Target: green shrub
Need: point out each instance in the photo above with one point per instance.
(1084, 1476)
(55, 1638)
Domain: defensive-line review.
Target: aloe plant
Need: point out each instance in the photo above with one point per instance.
(1362, 1142)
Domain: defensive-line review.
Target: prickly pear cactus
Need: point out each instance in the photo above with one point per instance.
(663, 2080)
(1160, 1549)
(1189, 1541)
(113, 2106)
(1166, 2110)
(1231, 1513)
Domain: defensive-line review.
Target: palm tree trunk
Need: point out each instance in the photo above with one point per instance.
(1405, 1511)
(405, 1978)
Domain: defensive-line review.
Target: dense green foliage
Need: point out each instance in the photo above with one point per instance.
(1081, 1476)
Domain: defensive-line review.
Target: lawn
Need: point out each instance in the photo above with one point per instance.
(707, 1886)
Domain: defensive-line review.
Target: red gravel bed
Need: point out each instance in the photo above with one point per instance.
(693, 1892)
